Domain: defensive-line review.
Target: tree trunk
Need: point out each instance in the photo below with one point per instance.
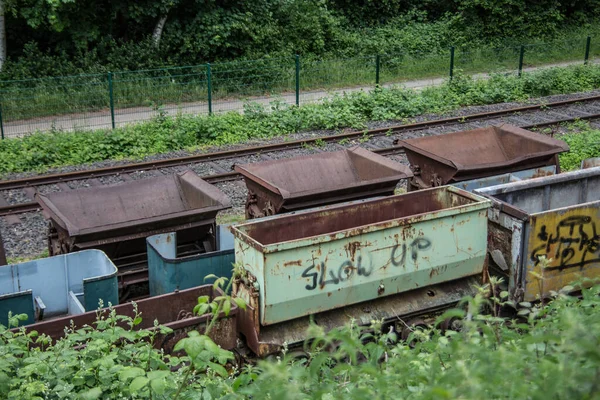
(158, 30)
(2, 35)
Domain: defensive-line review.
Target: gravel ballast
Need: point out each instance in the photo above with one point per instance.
(28, 238)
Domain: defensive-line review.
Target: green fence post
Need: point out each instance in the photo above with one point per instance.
(1, 123)
(209, 87)
(521, 54)
(451, 62)
(377, 63)
(587, 50)
(111, 98)
(297, 57)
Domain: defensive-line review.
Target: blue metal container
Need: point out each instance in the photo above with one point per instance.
(66, 284)
(168, 273)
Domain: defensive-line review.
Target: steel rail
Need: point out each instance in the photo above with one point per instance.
(230, 176)
(178, 161)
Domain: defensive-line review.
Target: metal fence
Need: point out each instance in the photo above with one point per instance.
(105, 101)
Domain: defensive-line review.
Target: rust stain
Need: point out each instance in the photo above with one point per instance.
(539, 173)
(351, 249)
(291, 263)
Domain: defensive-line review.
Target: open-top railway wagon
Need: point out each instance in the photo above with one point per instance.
(393, 256)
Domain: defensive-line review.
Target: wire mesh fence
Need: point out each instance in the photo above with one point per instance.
(105, 101)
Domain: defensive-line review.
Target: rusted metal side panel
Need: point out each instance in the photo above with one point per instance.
(302, 271)
(173, 310)
(280, 186)
(570, 239)
(92, 217)
(478, 153)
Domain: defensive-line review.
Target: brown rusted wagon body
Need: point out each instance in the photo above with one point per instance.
(117, 219)
(173, 310)
(291, 184)
(494, 150)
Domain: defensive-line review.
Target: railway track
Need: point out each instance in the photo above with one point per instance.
(29, 184)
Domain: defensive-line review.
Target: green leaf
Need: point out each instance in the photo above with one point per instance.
(158, 386)
(201, 309)
(240, 303)
(130, 372)
(158, 374)
(226, 307)
(219, 369)
(203, 299)
(138, 384)
(137, 321)
(210, 276)
(92, 394)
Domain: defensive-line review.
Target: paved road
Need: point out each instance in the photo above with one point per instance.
(102, 119)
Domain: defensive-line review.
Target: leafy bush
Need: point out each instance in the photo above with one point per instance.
(554, 349)
(583, 144)
(41, 151)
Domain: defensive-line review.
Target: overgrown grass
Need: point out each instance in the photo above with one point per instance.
(41, 151)
(269, 76)
(584, 143)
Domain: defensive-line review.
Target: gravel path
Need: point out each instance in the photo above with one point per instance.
(28, 238)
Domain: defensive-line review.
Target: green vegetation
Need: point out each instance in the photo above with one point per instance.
(18, 260)
(552, 348)
(67, 37)
(251, 47)
(38, 152)
(584, 143)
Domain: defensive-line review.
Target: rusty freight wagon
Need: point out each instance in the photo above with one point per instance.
(280, 186)
(173, 310)
(494, 150)
(395, 256)
(118, 218)
(557, 217)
